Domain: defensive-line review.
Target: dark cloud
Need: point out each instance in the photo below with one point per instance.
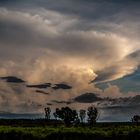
(61, 86)
(43, 92)
(15, 33)
(121, 109)
(135, 100)
(87, 98)
(46, 85)
(107, 102)
(92, 7)
(41, 86)
(49, 104)
(107, 74)
(12, 79)
(135, 55)
(123, 102)
(129, 83)
(61, 102)
(118, 114)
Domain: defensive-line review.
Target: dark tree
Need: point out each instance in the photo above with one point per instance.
(82, 115)
(92, 113)
(55, 115)
(136, 119)
(68, 115)
(47, 113)
(76, 120)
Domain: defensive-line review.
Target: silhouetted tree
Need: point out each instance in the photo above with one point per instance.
(76, 120)
(68, 115)
(47, 113)
(92, 113)
(82, 115)
(55, 115)
(136, 119)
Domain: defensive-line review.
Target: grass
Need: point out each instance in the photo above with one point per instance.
(102, 131)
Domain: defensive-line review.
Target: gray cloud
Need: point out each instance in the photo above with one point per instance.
(88, 98)
(61, 102)
(12, 79)
(40, 86)
(43, 92)
(61, 86)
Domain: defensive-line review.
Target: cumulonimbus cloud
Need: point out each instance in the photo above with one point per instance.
(49, 46)
(53, 42)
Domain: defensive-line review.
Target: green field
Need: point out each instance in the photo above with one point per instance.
(101, 131)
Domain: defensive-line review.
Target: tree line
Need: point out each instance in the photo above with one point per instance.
(70, 116)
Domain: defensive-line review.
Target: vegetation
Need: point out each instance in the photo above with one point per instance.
(98, 132)
(69, 125)
(72, 117)
(92, 115)
(47, 113)
(136, 119)
(68, 115)
(82, 115)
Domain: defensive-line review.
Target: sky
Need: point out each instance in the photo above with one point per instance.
(55, 52)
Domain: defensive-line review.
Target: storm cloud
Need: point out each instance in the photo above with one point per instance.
(81, 43)
(52, 40)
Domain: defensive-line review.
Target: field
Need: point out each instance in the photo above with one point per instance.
(42, 130)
